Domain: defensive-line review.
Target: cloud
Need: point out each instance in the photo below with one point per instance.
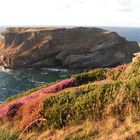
(67, 6)
(125, 10)
(72, 3)
(71, 12)
(125, 6)
(80, 1)
(125, 3)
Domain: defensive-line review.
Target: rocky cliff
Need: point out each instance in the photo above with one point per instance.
(73, 48)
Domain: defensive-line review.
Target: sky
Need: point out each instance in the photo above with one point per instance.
(70, 13)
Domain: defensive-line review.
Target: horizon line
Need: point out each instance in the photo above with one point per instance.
(60, 26)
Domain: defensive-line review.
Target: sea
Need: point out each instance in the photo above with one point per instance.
(14, 82)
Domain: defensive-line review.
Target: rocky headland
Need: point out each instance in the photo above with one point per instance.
(70, 48)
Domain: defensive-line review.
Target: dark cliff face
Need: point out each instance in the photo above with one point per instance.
(73, 48)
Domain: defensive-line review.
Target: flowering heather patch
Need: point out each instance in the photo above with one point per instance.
(31, 104)
(60, 85)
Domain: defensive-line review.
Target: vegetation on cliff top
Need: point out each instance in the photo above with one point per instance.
(94, 104)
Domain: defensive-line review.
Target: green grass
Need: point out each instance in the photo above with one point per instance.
(77, 138)
(7, 135)
(91, 101)
(72, 106)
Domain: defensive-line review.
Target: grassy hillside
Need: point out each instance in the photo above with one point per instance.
(101, 104)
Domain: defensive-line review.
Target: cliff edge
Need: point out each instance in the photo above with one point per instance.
(73, 48)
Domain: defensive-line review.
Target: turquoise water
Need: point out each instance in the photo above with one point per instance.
(13, 82)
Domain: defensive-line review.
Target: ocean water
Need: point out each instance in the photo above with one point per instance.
(130, 33)
(13, 82)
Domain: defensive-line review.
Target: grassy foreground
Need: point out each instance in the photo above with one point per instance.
(101, 104)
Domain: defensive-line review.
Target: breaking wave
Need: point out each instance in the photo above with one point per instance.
(2, 69)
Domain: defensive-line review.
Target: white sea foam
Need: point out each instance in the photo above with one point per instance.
(35, 81)
(53, 69)
(44, 72)
(2, 69)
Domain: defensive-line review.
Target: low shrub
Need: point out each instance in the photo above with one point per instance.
(93, 75)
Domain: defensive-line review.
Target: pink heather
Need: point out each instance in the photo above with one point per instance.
(35, 96)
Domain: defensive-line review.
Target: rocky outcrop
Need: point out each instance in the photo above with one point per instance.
(73, 48)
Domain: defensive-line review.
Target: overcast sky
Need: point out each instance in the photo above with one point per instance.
(70, 12)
